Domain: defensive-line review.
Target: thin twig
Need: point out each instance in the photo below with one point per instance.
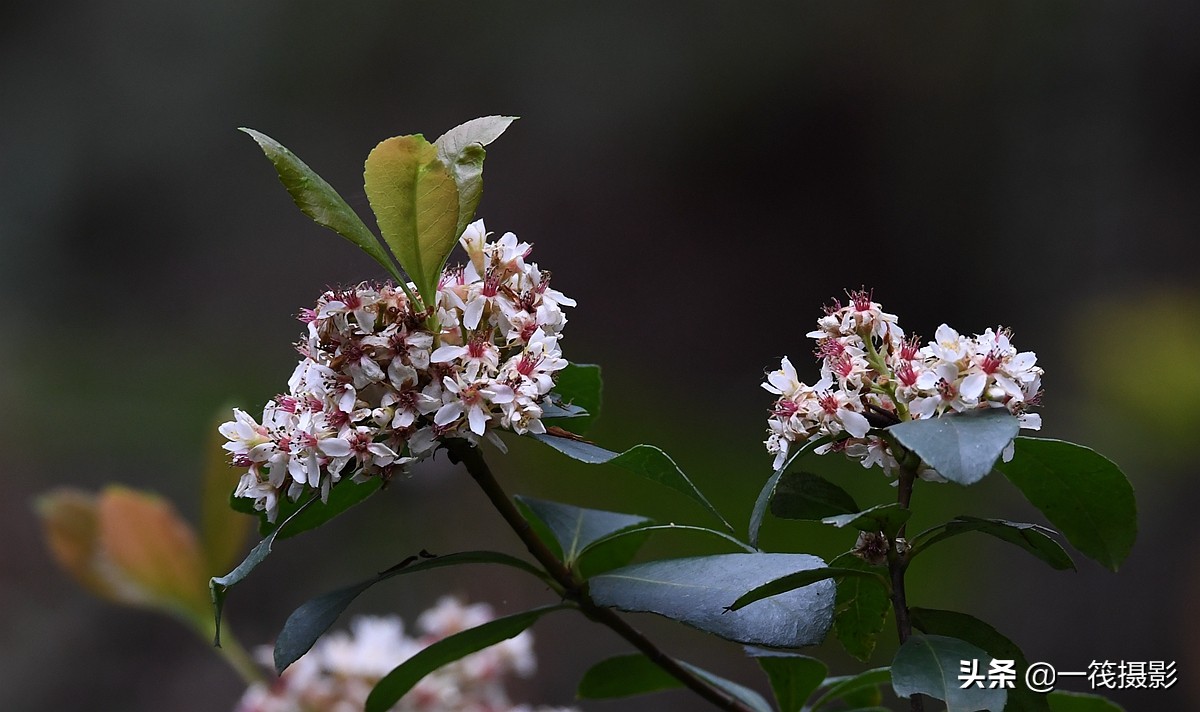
(575, 590)
(898, 558)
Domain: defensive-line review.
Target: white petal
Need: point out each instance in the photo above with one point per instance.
(856, 424)
(972, 386)
(448, 413)
(334, 447)
(478, 420)
(447, 353)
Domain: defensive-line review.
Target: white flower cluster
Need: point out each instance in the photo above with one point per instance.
(872, 376)
(342, 668)
(382, 380)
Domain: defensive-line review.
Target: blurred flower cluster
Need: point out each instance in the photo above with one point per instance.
(342, 668)
(872, 376)
(382, 379)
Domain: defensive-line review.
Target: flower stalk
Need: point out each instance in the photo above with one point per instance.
(572, 588)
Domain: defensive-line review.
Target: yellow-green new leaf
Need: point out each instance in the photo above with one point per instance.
(319, 201)
(129, 547)
(415, 201)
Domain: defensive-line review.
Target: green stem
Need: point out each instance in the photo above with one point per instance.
(898, 559)
(574, 589)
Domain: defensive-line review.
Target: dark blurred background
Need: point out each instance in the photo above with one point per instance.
(701, 176)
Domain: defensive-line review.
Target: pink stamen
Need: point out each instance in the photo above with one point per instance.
(528, 363)
(862, 298)
(785, 408)
(830, 348)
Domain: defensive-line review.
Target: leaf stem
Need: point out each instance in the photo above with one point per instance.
(575, 590)
(898, 559)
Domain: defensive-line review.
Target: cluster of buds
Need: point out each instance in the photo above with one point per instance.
(339, 672)
(872, 376)
(383, 378)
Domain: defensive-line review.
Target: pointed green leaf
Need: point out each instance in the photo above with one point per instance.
(803, 495)
(645, 460)
(799, 579)
(696, 591)
(930, 665)
(962, 447)
(576, 388)
(319, 201)
(613, 553)
(988, 639)
(1081, 492)
(576, 528)
(651, 528)
(461, 150)
(416, 205)
(854, 688)
(624, 676)
(793, 677)
(749, 698)
(768, 491)
(310, 621)
(218, 586)
(342, 496)
(398, 682)
(636, 674)
(861, 608)
(1063, 701)
(1031, 537)
(886, 518)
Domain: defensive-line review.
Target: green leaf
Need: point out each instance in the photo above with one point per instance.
(611, 553)
(768, 491)
(745, 695)
(398, 682)
(793, 677)
(803, 495)
(461, 150)
(696, 591)
(886, 518)
(1031, 537)
(645, 460)
(983, 636)
(853, 688)
(799, 579)
(861, 608)
(650, 528)
(624, 676)
(342, 496)
(218, 586)
(576, 387)
(963, 447)
(319, 201)
(415, 201)
(635, 674)
(1063, 701)
(310, 621)
(576, 528)
(1081, 492)
(930, 665)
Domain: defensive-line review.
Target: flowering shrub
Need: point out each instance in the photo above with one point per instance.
(380, 376)
(340, 670)
(872, 376)
(445, 358)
